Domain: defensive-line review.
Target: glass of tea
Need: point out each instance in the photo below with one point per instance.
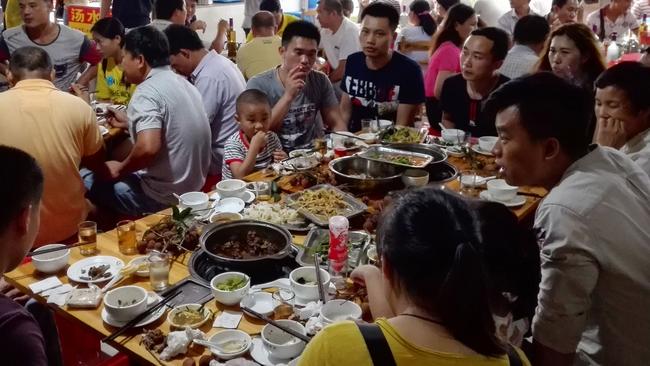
(262, 191)
(126, 237)
(87, 236)
(283, 301)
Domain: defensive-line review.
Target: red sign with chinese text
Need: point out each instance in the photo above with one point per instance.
(82, 17)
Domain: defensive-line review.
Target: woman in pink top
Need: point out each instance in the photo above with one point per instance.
(460, 21)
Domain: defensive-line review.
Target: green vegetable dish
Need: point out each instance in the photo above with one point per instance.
(232, 284)
(402, 135)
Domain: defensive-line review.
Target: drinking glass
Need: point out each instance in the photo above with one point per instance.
(126, 237)
(159, 265)
(262, 191)
(283, 301)
(468, 180)
(88, 235)
(366, 125)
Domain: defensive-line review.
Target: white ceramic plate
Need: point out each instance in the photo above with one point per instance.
(230, 204)
(80, 269)
(261, 355)
(477, 149)
(515, 202)
(249, 197)
(285, 283)
(151, 301)
(260, 301)
(136, 262)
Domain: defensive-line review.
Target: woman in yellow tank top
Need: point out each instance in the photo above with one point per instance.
(434, 282)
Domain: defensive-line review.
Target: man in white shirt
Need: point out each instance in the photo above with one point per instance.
(491, 10)
(218, 80)
(169, 12)
(541, 7)
(592, 226)
(614, 17)
(529, 37)
(520, 8)
(339, 38)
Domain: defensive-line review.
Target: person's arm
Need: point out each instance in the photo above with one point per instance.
(90, 54)
(446, 99)
(406, 114)
(332, 118)
(610, 132)
(370, 277)
(411, 95)
(447, 120)
(239, 168)
(440, 80)
(220, 38)
(145, 150)
(337, 74)
(346, 107)
(293, 86)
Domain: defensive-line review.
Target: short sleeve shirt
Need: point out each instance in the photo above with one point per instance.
(466, 114)
(338, 46)
(111, 84)
(380, 92)
(301, 124)
(620, 26)
(259, 55)
(445, 58)
(237, 147)
(132, 13)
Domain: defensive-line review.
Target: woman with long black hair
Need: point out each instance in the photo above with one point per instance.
(421, 30)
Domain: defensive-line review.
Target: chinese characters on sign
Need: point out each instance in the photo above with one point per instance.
(82, 17)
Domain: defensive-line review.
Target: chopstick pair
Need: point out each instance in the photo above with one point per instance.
(254, 313)
(50, 250)
(142, 315)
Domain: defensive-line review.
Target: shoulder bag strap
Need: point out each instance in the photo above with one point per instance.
(601, 32)
(513, 356)
(377, 345)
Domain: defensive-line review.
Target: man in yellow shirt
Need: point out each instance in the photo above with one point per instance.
(281, 19)
(261, 53)
(12, 14)
(60, 131)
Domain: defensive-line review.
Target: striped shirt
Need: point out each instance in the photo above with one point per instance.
(236, 150)
(641, 7)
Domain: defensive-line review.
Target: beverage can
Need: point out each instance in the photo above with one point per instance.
(338, 251)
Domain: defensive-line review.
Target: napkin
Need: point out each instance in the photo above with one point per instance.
(58, 295)
(311, 309)
(227, 319)
(46, 284)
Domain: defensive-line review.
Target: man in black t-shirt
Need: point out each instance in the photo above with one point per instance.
(463, 96)
(132, 13)
(380, 82)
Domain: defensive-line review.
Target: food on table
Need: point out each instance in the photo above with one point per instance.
(252, 246)
(349, 143)
(232, 284)
(402, 135)
(274, 213)
(322, 202)
(303, 180)
(399, 159)
(154, 340)
(205, 360)
(303, 281)
(188, 316)
(170, 235)
(357, 294)
(189, 362)
(233, 345)
(96, 272)
(375, 207)
(442, 142)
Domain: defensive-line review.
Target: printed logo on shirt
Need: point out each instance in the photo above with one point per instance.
(110, 81)
(294, 124)
(365, 93)
(60, 70)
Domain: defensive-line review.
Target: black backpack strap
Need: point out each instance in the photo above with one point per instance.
(513, 356)
(601, 32)
(377, 345)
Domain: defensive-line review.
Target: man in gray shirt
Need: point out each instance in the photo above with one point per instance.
(592, 226)
(169, 129)
(298, 93)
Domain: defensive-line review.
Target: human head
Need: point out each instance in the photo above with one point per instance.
(461, 20)
(172, 10)
(566, 11)
(420, 14)
(253, 112)
(620, 6)
(144, 48)
(572, 52)
(518, 3)
(275, 8)
(263, 24)
(483, 53)
(183, 44)
(190, 6)
(300, 46)
(21, 192)
(454, 288)
(378, 23)
(621, 93)
(35, 13)
(441, 7)
(348, 7)
(542, 122)
(329, 13)
(531, 31)
(30, 62)
(108, 33)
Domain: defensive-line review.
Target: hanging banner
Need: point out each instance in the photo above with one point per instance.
(81, 17)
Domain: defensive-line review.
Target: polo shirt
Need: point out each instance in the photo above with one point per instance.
(286, 20)
(259, 55)
(621, 25)
(338, 46)
(520, 61)
(237, 147)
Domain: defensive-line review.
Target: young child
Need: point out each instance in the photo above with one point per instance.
(253, 147)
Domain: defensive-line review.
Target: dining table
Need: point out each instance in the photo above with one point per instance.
(107, 244)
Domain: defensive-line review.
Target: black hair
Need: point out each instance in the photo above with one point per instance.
(531, 30)
(302, 29)
(422, 9)
(442, 274)
(549, 107)
(499, 38)
(110, 28)
(511, 257)
(263, 19)
(633, 79)
(252, 96)
(150, 43)
(559, 3)
(182, 37)
(458, 14)
(22, 186)
(348, 7)
(446, 4)
(30, 59)
(273, 6)
(164, 9)
(382, 9)
(332, 5)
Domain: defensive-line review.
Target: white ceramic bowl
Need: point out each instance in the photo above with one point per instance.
(204, 311)
(229, 297)
(223, 217)
(384, 123)
(281, 344)
(227, 336)
(368, 137)
(231, 188)
(195, 200)
(308, 292)
(340, 310)
(501, 191)
(51, 262)
(486, 143)
(453, 135)
(415, 177)
(126, 302)
(230, 204)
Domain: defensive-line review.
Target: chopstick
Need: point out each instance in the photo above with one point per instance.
(254, 313)
(142, 315)
(319, 281)
(50, 250)
(350, 136)
(529, 194)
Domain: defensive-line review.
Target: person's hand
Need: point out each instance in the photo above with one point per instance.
(366, 273)
(81, 91)
(198, 25)
(259, 141)
(279, 155)
(12, 292)
(117, 118)
(114, 169)
(223, 25)
(295, 81)
(611, 132)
